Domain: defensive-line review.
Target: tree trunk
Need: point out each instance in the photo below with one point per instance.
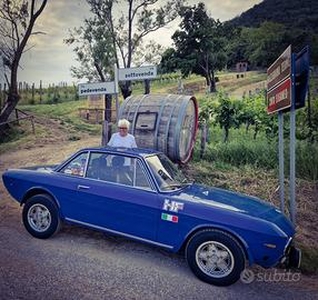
(226, 134)
(212, 86)
(8, 107)
(210, 81)
(13, 96)
(126, 89)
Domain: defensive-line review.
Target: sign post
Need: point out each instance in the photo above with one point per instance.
(96, 88)
(292, 147)
(287, 85)
(279, 98)
(141, 73)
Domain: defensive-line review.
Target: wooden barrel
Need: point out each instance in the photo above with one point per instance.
(167, 123)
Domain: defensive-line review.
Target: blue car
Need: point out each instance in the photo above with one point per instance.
(141, 194)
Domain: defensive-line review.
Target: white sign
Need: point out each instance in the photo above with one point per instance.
(140, 73)
(96, 88)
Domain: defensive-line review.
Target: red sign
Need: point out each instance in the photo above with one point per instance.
(279, 98)
(280, 69)
(279, 83)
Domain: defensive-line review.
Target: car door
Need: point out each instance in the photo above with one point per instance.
(119, 198)
(173, 224)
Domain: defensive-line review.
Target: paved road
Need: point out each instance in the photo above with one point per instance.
(81, 264)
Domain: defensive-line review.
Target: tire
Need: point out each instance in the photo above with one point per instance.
(40, 216)
(215, 257)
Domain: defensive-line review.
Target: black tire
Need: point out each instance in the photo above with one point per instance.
(215, 257)
(40, 216)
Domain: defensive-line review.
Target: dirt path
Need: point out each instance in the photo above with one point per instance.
(245, 90)
(50, 153)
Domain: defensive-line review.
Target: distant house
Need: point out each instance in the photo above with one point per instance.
(241, 66)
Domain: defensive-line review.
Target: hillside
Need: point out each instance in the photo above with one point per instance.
(292, 13)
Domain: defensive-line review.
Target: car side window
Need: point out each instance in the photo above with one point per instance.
(98, 167)
(76, 167)
(140, 178)
(118, 169)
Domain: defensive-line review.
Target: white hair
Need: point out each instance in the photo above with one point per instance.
(124, 123)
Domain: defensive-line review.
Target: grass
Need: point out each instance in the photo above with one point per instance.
(309, 263)
(67, 113)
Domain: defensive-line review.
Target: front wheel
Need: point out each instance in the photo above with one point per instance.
(40, 216)
(215, 257)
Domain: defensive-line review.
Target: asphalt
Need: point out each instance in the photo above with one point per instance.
(79, 263)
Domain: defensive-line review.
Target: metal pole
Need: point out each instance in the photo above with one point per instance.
(281, 160)
(292, 145)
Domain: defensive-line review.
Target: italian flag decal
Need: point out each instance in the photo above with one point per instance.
(170, 218)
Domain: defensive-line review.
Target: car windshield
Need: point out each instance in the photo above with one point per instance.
(167, 175)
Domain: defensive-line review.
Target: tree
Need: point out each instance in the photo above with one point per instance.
(200, 44)
(126, 23)
(17, 20)
(169, 61)
(226, 114)
(94, 51)
(266, 43)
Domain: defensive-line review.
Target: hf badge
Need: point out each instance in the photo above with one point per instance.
(171, 206)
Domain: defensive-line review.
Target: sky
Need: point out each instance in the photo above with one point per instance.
(50, 59)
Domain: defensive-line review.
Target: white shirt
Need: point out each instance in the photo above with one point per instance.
(127, 141)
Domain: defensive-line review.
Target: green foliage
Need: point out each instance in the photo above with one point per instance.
(292, 13)
(306, 160)
(226, 114)
(66, 113)
(241, 150)
(251, 135)
(199, 44)
(266, 35)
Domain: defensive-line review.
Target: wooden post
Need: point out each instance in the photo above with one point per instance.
(105, 133)
(17, 116)
(40, 91)
(33, 92)
(203, 139)
(108, 108)
(0, 96)
(32, 124)
(147, 86)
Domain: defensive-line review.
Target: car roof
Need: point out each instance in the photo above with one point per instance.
(132, 151)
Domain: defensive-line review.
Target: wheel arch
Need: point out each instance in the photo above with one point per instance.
(239, 239)
(36, 191)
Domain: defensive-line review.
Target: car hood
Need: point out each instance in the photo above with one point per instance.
(238, 203)
(46, 168)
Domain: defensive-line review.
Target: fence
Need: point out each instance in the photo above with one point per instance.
(18, 116)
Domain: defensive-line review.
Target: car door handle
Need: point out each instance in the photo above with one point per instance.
(83, 187)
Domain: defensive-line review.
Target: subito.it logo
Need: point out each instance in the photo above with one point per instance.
(247, 276)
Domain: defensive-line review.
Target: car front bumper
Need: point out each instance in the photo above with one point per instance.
(292, 257)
